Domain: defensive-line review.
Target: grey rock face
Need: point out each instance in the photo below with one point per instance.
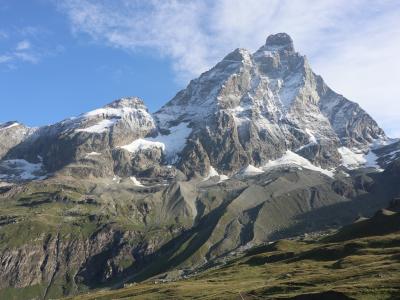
(280, 41)
(351, 123)
(11, 134)
(147, 163)
(251, 108)
(388, 153)
(69, 259)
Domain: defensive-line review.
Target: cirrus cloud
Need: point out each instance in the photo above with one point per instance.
(23, 45)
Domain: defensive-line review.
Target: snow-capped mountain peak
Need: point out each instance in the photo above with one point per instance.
(129, 112)
(250, 109)
(267, 103)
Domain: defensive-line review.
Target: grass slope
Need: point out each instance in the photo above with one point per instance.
(354, 263)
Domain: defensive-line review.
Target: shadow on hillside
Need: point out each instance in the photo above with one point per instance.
(179, 249)
(344, 212)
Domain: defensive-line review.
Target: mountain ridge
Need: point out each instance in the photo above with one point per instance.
(247, 110)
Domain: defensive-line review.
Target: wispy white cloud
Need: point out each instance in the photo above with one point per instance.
(5, 58)
(23, 45)
(27, 57)
(172, 28)
(353, 44)
(25, 53)
(27, 44)
(20, 54)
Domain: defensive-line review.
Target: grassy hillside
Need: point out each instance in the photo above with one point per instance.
(354, 263)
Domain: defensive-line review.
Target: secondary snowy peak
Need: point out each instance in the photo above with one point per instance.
(128, 102)
(69, 145)
(127, 113)
(118, 108)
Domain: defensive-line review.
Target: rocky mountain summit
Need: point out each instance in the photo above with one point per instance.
(256, 149)
(252, 108)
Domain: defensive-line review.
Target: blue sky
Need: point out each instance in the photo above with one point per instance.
(63, 74)
(59, 58)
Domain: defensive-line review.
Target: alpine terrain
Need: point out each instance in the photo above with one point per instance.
(241, 179)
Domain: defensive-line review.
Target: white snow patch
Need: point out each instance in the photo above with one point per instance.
(291, 158)
(355, 158)
(143, 144)
(222, 178)
(171, 144)
(20, 169)
(251, 170)
(135, 181)
(100, 127)
(351, 159)
(289, 89)
(371, 160)
(92, 154)
(211, 173)
(312, 138)
(176, 140)
(10, 126)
